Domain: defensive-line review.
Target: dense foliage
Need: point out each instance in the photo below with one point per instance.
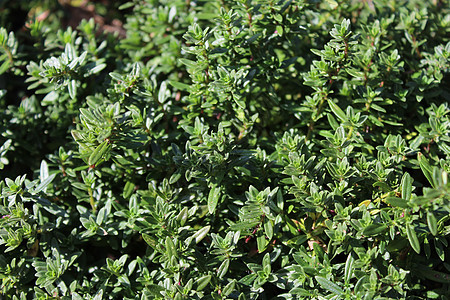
(225, 149)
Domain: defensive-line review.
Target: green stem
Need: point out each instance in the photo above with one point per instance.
(313, 120)
(349, 135)
(91, 200)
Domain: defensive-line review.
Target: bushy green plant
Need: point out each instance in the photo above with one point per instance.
(226, 149)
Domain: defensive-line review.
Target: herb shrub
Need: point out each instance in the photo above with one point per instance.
(224, 149)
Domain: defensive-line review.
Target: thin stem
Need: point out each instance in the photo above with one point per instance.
(319, 111)
(92, 200)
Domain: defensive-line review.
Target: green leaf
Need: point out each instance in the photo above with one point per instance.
(44, 183)
(432, 223)
(383, 186)
(406, 185)
(213, 198)
(268, 228)
(182, 216)
(4, 67)
(440, 249)
(397, 202)
(374, 229)
(266, 264)
(43, 171)
(333, 123)
(348, 271)
(412, 237)
(187, 62)
(202, 282)
(126, 5)
(337, 110)
(279, 30)
(98, 153)
(241, 226)
(175, 177)
(170, 248)
(223, 268)
(149, 240)
(162, 95)
(179, 85)
(128, 189)
(426, 168)
(333, 4)
(72, 88)
(359, 284)
(248, 279)
(261, 242)
(199, 235)
(329, 286)
(229, 288)
(300, 292)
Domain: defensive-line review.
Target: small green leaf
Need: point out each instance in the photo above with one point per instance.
(333, 4)
(199, 235)
(229, 288)
(187, 62)
(266, 264)
(170, 248)
(406, 185)
(98, 153)
(397, 202)
(245, 225)
(279, 30)
(213, 198)
(383, 186)
(223, 269)
(333, 123)
(44, 183)
(440, 249)
(348, 268)
(432, 223)
(4, 67)
(359, 285)
(182, 216)
(43, 171)
(175, 177)
(261, 242)
(374, 229)
(151, 242)
(126, 5)
(162, 95)
(412, 237)
(329, 286)
(337, 110)
(128, 189)
(268, 228)
(72, 88)
(202, 282)
(248, 279)
(179, 85)
(97, 68)
(426, 168)
(300, 292)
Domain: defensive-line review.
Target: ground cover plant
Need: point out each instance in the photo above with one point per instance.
(224, 149)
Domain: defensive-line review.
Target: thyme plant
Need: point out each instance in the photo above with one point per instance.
(225, 149)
